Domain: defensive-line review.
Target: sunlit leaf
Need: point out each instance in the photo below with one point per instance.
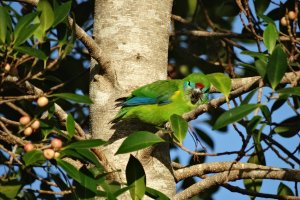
(290, 91)
(61, 12)
(25, 28)
(138, 140)
(270, 37)
(234, 115)
(10, 189)
(5, 24)
(136, 178)
(254, 54)
(277, 66)
(179, 127)
(46, 18)
(221, 82)
(284, 190)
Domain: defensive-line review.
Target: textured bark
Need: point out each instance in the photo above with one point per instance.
(133, 36)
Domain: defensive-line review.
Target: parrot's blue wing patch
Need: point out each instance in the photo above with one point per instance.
(135, 101)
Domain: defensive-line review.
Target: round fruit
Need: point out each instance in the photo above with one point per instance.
(24, 120)
(35, 125)
(56, 154)
(7, 67)
(56, 143)
(283, 21)
(29, 147)
(42, 101)
(292, 15)
(48, 154)
(28, 131)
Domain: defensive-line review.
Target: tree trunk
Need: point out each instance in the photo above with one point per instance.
(133, 36)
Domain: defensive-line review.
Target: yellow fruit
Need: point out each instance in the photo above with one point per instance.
(7, 67)
(56, 154)
(292, 15)
(42, 101)
(56, 144)
(35, 125)
(28, 131)
(29, 147)
(24, 120)
(283, 21)
(48, 154)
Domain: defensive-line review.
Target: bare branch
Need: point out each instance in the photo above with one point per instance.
(229, 171)
(258, 194)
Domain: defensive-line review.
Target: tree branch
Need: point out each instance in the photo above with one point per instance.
(239, 86)
(229, 171)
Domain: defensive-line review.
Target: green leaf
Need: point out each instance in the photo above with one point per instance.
(249, 96)
(25, 28)
(221, 82)
(261, 67)
(253, 184)
(32, 157)
(89, 156)
(289, 127)
(251, 126)
(155, 194)
(253, 54)
(23, 23)
(277, 66)
(46, 18)
(284, 190)
(85, 144)
(266, 113)
(270, 37)
(138, 140)
(5, 24)
(61, 12)
(179, 127)
(10, 189)
(73, 97)
(77, 175)
(266, 19)
(32, 52)
(234, 115)
(136, 178)
(70, 125)
(261, 6)
(290, 91)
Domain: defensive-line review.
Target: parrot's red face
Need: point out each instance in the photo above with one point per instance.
(199, 85)
(195, 91)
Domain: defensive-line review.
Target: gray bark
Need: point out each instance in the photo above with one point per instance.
(133, 36)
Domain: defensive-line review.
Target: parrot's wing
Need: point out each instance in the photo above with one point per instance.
(158, 92)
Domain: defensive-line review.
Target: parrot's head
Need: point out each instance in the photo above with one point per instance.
(196, 88)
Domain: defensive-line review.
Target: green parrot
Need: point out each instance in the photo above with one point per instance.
(156, 102)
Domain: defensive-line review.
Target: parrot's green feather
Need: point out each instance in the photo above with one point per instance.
(156, 102)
